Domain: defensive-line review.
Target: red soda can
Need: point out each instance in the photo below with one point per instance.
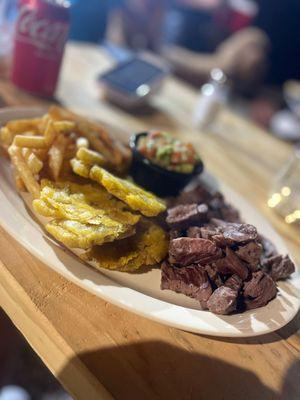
(40, 36)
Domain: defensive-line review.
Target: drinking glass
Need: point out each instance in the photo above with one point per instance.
(285, 193)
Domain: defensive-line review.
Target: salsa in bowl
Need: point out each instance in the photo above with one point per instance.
(163, 164)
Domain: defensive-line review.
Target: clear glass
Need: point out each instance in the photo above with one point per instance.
(285, 193)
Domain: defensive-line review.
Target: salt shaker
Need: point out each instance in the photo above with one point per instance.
(212, 95)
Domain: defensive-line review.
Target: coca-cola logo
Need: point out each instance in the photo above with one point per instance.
(44, 33)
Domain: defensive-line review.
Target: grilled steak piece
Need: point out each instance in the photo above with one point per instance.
(182, 216)
(185, 251)
(191, 281)
(234, 282)
(278, 267)
(259, 290)
(231, 264)
(214, 276)
(208, 231)
(217, 206)
(236, 233)
(197, 195)
(228, 233)
(175, 233)
(223, 300)
(269, 250)
(251, 253)
(194, 232)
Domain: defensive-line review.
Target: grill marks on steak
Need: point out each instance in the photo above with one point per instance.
(231, 264)
(250, 253)
(191, 280)
(185, 251)
(182, 216)
(259, 290)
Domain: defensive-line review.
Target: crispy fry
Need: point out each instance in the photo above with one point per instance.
(33, 162)
(63, 127)
(97, 136)
(42, 154)
(85, 130)
(56, 156)
(24, 171)
(6, 136)
(50, 133)
(22, 125)
(36, 142)
(136, 197)
(18, 181)
(90, 157)
(43, 124)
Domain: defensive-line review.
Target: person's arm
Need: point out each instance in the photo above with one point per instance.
(238, 56)
(191, 66)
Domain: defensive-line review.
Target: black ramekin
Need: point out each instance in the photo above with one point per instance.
(154, 178)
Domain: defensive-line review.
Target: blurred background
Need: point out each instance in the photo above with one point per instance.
(254, 43)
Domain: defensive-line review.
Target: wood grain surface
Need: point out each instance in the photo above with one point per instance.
(97, 350)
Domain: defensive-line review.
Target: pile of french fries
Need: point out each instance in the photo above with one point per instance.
(43, 147)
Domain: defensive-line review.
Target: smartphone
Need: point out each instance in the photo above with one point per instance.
(130, 83)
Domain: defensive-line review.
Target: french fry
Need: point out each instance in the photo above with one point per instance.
(96, 143)
(90, 156)
(43, 124)
(42, 154)
(6, 136)
(18, 181)
(94, 132)
(64, 126)
(36, 142)
(24, 171)
(21, 125)
(56, 155)
(50, 133)
(33, 162)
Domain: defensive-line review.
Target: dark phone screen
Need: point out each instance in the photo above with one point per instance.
(127, 77)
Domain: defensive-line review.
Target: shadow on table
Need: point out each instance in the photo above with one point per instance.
(156, 370)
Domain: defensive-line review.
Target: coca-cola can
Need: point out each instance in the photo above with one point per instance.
(40, 36)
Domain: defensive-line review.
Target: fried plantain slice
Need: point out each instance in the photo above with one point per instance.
(136, 197)
(83, 203)
(75, 234)
(148, 246)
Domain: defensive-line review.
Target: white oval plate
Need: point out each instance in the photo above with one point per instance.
(140, 292)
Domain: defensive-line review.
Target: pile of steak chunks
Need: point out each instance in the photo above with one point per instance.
(219, 261)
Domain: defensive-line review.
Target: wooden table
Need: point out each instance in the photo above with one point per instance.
(99, 351)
